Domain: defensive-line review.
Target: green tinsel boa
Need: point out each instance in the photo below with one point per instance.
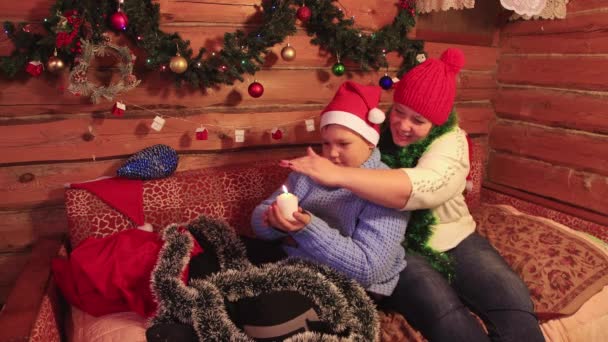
(419, 227)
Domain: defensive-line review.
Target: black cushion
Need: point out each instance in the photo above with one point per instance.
(169, 332)
(276, 315)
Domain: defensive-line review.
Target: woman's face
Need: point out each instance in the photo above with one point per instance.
(344, 147)
(407, 126)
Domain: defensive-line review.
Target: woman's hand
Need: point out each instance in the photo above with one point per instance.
(320, 169)
(275, 219)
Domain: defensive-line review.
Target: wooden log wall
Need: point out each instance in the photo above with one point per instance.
(551, 134)
(45, 132)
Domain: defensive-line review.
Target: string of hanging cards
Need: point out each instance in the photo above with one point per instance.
(202, 132)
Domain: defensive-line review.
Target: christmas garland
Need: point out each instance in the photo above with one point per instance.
(419, 227)
(334, 33)
(73, 20)
(79, 83)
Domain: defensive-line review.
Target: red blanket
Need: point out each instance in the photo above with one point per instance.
(112, 274)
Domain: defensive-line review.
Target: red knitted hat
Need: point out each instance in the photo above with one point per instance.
(430, 88)
(355, 106)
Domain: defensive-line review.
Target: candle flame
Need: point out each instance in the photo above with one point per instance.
(285, 189)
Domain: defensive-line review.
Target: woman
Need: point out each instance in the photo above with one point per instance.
(450, 268)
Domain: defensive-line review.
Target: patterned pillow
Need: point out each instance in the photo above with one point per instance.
(473, 196)
(226, 192)
(562, 268)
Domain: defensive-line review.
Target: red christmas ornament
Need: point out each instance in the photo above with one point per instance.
(202, 133)
(256, 89)
(34, 68)
(276, 134)
(119, 21)
(304, 13)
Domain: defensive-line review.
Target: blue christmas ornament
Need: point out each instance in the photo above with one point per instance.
(158, 161)
(386, 82)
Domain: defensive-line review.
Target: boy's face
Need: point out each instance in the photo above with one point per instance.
(344, 147)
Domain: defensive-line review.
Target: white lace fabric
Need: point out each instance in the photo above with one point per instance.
(524, 9)
(426, 6)
(554, 9)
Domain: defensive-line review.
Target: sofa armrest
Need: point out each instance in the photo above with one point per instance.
(32, 292)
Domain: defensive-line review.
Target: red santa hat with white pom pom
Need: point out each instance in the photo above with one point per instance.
(355, 106)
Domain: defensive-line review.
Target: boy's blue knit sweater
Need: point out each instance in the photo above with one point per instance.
(354, 236)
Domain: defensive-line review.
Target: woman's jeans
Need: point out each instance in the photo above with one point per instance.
(483, 283)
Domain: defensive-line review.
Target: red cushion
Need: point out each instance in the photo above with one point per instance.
(473, 197)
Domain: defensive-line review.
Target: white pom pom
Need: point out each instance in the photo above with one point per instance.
(375, 115)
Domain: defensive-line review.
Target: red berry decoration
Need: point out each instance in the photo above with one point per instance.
(304, 13)
(119, 21)
(256, 89)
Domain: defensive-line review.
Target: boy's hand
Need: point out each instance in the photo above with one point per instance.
(275, 219)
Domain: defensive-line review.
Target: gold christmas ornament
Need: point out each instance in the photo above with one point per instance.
(288, 53)
(55, 64)
(178, 64)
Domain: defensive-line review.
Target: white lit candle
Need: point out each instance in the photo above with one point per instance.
(288, 204)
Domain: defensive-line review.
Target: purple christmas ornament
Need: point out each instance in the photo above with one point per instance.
(386, 82)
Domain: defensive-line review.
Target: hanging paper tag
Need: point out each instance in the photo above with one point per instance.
(119, 109)
(276, 133)
(239, 135)
(158, 123)
(310, 125)
(34, 68)
(421, 58)
(202, 133)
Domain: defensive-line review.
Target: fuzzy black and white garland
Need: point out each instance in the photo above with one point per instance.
(340, 302)
(228, 248)
(366, 316)
(174, 298)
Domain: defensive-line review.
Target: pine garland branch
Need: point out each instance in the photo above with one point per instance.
(241, 53)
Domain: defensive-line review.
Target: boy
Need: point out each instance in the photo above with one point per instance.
(333, 226)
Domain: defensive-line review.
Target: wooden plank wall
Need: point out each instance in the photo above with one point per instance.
(551, 135)
(45, 132)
